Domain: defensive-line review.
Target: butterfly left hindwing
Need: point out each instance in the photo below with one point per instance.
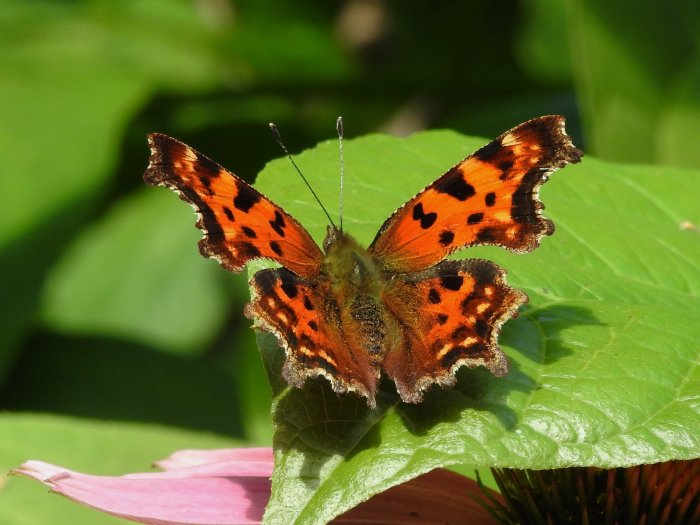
(306, 319)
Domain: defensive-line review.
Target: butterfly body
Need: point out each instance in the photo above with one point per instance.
(346, 312)
(356, 285)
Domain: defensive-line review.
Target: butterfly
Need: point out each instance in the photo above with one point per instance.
(346, 312)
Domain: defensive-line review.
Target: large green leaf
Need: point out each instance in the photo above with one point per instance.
(86, 446)
(604, 357)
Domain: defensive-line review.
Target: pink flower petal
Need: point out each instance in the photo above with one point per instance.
(203, 488)
(259, 469)
(191, 458)
(160, 498)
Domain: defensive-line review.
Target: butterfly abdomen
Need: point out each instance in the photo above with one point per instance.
(366, 312)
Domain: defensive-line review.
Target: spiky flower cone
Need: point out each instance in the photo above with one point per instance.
(663, 493)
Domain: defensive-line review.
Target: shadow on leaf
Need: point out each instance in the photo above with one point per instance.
(317, 424)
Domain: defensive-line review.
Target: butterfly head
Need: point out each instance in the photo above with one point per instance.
(332, 235)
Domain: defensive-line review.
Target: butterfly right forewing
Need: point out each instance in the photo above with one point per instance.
(491, 197)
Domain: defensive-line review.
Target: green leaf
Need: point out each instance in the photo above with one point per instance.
(137, 275)
(604, 357)
(85, 446)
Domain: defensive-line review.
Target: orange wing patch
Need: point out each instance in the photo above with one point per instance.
(491, 197)
(239, 223)
(451, 317)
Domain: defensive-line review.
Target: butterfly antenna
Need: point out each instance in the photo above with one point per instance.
(339, 129)
(278, 138)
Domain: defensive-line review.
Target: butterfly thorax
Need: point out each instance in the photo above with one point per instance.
(349, 267)
(356, 284)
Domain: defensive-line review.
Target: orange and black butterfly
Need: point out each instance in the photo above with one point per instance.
(347, 312)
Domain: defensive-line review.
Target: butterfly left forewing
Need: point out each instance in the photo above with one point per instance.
(239, 223)
(491, 197)
(448, 316)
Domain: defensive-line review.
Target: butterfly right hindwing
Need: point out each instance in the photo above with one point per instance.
(448, 316)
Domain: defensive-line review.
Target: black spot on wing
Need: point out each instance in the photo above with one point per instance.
(209, 223)
(452, 282)
(246, 198)
(490, 199)
(307, 303)
(228, 213)
(442, 318)
(453, 184)
(249, 232)
(451, 357)
(488, 152)
(446, 237)
(434, 296)
(275, 247)
(290, 289)
(496, 154)
(426, 219)
(246, 250)
(486, 235)
(278, 223)
(472, 351)
(481, 328)
(475, 218)
(205, 179)
(505, 165)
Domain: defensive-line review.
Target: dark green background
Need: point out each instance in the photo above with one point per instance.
(108, 312)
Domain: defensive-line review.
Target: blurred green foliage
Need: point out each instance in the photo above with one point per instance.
(108, 312)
